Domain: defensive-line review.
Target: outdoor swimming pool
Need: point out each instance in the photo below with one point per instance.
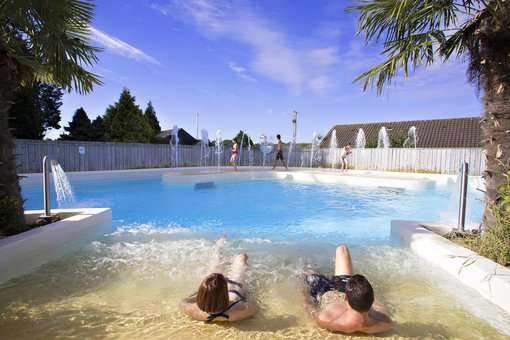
(128, 282)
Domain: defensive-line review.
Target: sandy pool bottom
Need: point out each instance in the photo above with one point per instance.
(126, 287)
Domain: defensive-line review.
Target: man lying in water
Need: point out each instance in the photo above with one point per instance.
(344, 302)
(220, 298)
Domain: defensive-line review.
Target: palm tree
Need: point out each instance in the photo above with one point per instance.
(40, 40)
(418, 33)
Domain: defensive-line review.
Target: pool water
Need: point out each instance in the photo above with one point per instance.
(128, 283)
(262, 208)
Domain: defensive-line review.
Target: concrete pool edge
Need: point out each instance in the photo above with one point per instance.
(488, 278)
(21, 253)
(402, 177)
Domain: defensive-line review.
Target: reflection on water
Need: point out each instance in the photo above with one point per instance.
(129, 283)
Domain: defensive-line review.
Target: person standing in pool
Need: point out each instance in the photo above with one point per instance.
(279, 152)
(346, 151)
(221, 298)
(233, 154)
(344, 302)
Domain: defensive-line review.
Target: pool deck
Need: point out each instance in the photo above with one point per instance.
(193, 175)
(488, 278)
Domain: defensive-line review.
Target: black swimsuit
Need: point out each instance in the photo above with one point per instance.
(279, 155)
(223, 314)
(319, 284)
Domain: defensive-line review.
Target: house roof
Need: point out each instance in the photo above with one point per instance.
(184, 137)
(434, 133)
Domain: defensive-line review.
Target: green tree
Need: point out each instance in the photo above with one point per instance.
(97, 130)
(125, 122)
(150, 116)
(79, 128)
(44, 41)
(246, 139)
(397, 140)
(36, 109)
(418, 33)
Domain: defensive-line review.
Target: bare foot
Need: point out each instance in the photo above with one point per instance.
(241, 258)
(222, 241)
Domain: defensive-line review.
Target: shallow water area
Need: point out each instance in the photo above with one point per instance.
(128, 283)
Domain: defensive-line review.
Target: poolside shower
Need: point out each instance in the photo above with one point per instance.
(333, 149)
(174, 142)
(219, 147)
(383, 139)
(63, 188)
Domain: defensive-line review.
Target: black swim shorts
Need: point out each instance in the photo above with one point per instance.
(317, 284)
(279, 155)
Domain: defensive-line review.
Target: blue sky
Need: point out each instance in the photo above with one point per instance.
(249, 64)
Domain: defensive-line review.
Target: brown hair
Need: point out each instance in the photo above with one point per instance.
(360, 294)
(212, 296)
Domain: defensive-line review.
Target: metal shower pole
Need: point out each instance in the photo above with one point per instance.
(463, 196)
(46, 186)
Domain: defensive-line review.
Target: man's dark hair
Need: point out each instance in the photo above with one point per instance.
(278, 136)
(360, 294)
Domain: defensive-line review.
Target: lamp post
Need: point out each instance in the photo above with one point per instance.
(294, 132)
(294, 126)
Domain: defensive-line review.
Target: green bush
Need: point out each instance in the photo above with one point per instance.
(9, 207)
(495, 242)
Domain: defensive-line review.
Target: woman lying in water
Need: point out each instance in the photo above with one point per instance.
(221, 298)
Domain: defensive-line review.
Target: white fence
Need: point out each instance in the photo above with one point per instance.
(438, 160)
(89, 156)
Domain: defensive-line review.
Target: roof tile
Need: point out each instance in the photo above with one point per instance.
(434, 133)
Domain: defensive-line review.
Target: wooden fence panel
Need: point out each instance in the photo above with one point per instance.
(93, 156)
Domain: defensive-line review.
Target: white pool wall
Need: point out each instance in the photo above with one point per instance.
(405, 180)
(488, 278)
(21, 253)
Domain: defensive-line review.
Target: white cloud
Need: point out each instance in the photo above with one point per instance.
(324, 56)
(120, 47)
(241, 72)
(300, 68)
(320, 84)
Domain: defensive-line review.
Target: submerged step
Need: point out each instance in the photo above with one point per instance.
(204, 185)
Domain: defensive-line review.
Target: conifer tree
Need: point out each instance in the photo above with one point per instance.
(150, 115)
(124, 121)
(97, 130)
(79, 127)
(36, 109)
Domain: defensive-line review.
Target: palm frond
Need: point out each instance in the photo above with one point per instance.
(51, 37)
(414, 33)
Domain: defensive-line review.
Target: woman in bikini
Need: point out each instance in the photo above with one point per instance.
(233, 154)
(221, 298)
(346, 151)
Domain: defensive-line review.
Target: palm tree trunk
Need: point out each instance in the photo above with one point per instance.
(10, 193)
(495, 52)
